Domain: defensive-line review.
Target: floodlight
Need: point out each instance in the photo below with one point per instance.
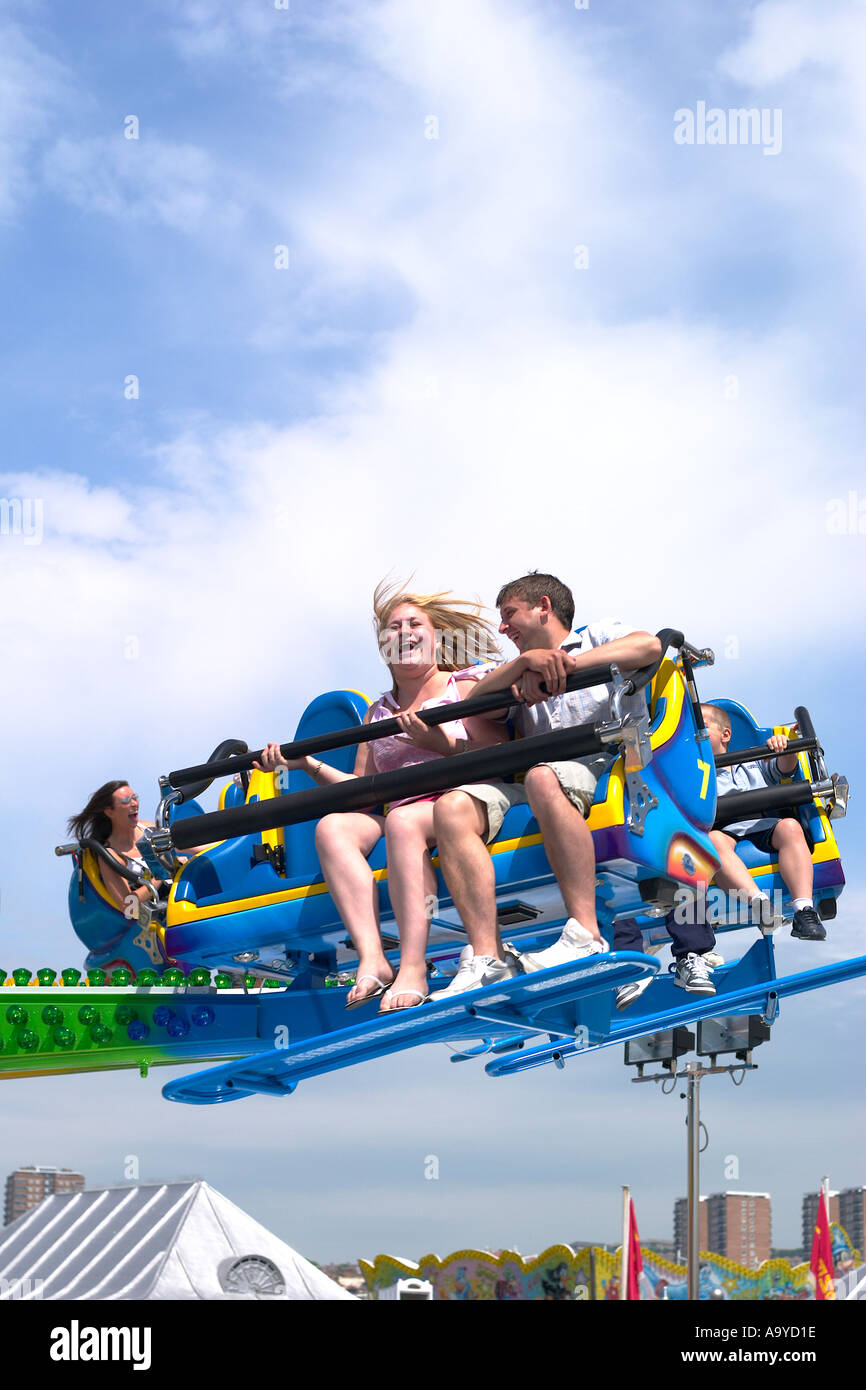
(659, 1047)
(717, 1036)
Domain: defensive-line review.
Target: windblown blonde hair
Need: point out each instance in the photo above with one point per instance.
(463, 636)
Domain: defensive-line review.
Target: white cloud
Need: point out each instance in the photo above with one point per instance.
(811, 59)
(73, 507)
(145, 179)
(33, 84)
(213, 29)
(788, 35)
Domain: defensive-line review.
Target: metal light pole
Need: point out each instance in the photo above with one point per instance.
(692, 1072)
(693, 1125)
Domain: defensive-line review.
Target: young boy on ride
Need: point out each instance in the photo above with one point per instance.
(783, 837)
(537, 612)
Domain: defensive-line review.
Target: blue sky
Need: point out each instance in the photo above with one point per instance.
(432, 385)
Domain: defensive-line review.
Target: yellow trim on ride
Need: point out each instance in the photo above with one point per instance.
(263, 786)
(668, 682)
(90, 866)
(186, 911)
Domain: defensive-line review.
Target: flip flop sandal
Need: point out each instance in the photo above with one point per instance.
(374, 993)
(401, 1008)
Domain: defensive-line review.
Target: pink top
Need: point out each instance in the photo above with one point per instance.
(397, 750)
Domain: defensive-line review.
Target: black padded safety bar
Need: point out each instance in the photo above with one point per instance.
(383, 728)
(668, 637)
(361, 793)
(763, 801)
(763, 753)
(386, 728)
(230, 751)
(804, 723)
(133, 876)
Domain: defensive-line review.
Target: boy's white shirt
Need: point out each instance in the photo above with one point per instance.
(579, 706)
(747, 777)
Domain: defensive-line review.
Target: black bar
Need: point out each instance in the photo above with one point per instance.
(752, 755)
(360, 793)
(762, 801)
(668, 637)
(804, 723)
(132, 876)
(385, 728)
(230, 750)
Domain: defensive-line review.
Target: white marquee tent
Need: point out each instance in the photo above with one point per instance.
(180, 1240)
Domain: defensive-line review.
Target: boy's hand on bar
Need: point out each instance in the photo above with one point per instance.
(552, 666)
(778, 743)
(528, 690)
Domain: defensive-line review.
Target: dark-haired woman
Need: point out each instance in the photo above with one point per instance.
(111, 816)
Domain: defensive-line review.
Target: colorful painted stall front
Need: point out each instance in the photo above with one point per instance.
(561, 1274)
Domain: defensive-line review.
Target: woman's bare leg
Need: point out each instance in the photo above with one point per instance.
(343, 841)
(412, 884)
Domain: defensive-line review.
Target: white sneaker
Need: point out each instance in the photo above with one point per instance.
(473, 972)
(574, 943)
(691, 974)
(627, 994)
(712, 959)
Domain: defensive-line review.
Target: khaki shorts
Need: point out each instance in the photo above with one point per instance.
(576, 781)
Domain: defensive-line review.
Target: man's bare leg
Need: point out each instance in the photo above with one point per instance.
(567, 843)
(461, 827)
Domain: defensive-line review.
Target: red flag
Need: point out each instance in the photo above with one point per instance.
(635, 1259)
(821, 1263)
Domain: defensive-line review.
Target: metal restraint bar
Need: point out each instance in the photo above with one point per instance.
(359, 793)
(369, 733)
(136, 878)
(763, 753)
(386, 728)
(767, 800)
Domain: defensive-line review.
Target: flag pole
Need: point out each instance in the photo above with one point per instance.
(623, 1269)
(821, 1262)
